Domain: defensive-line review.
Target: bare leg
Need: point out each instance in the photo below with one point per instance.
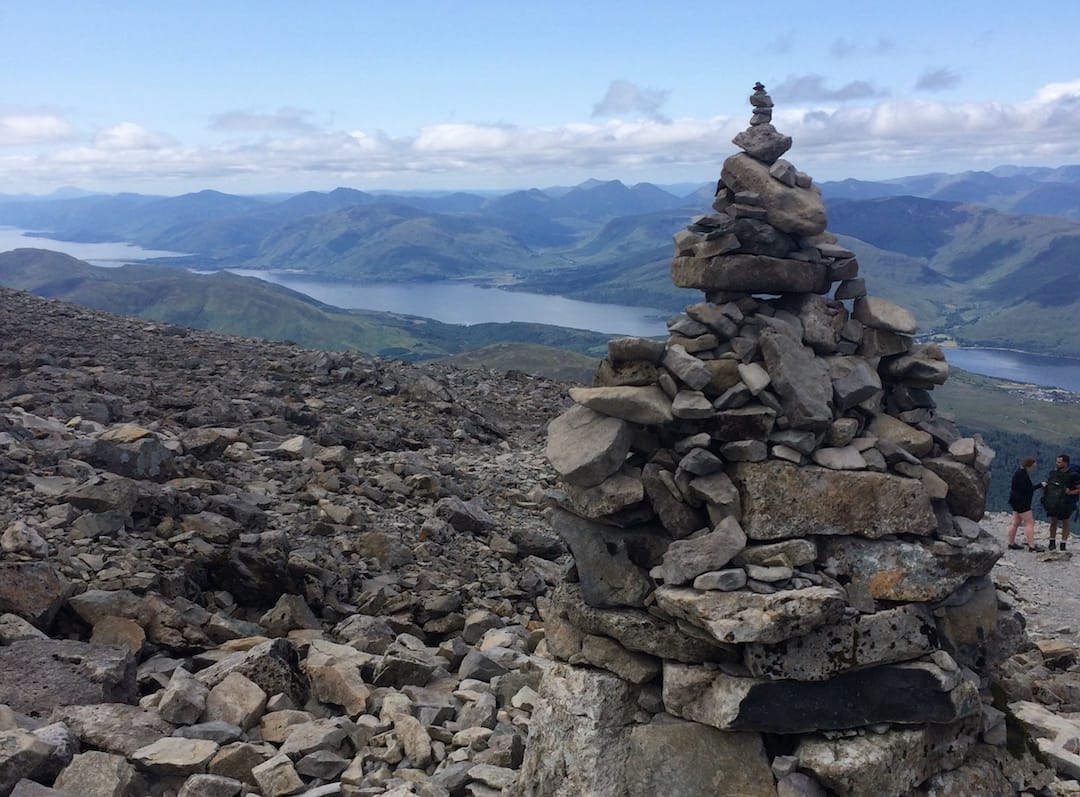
(1064, 532)
(1053, 530)
(1029, 527)
(1013, 526)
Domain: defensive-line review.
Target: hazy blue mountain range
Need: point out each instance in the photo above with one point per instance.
(1011, 189)
(988, 258)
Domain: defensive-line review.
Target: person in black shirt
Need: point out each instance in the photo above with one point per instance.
(1061, 488)
(1020, 494)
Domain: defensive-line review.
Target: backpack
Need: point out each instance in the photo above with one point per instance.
(1074, 471)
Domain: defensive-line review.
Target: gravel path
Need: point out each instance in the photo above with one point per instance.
(1045, 584)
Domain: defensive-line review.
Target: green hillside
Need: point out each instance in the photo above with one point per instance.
(1013, 423)
(975, 275)
(393, 242)
(246, 306)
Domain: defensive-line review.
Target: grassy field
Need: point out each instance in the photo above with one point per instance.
(983, 403)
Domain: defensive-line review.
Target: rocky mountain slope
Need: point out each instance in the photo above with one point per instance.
(233, 567)
(163, 488)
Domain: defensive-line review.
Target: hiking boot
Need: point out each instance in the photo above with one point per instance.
(1053, 545)
(1037, 548)
(1062, 548)
(1014, 547)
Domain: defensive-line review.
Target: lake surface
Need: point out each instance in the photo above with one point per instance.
(106, 255)
(1019, 366)
(459, 303)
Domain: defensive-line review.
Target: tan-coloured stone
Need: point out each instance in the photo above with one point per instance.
(791, 209)
(912, 440)
(119, 631)
(882, 314)
(645, 405)
(97, 774)
(781, 500)
(734, 617)
(175, 756)
(867, 764)
(586, 447)
(237, 700)
(277, 777)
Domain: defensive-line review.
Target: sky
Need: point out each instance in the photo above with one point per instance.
(274, 96)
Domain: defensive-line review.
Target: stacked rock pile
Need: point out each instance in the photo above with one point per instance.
(781, 582)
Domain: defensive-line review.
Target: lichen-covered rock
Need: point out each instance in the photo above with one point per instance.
(867, 763)
(733, 617)
(891, 635)
(584, 741)
(904, 570)
(781, 500)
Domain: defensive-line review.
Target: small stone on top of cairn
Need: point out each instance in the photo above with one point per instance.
(761, 140)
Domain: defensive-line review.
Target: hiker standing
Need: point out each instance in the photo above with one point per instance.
(1021, 492)
(1060, 492)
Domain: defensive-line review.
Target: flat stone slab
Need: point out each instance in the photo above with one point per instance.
(584, 741)
(113, 727)
(908, 694)
(734, 617)
(907, 571)
(868, 763)
(885, 637)
(41, 674)
(645, 405)
(175, 756)
(637, 630)
(781, 500)
(749, 273)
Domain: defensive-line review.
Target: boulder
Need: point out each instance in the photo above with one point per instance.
(41, 674)
(781, 500)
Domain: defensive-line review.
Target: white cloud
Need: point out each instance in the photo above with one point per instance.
(128, 135)
(832, 139)
(1055, 92)
(624, 97)
(19, 129)
(463, 138)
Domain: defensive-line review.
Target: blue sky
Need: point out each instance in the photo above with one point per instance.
(170, 97)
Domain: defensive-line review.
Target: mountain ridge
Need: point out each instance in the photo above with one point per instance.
(991, 271)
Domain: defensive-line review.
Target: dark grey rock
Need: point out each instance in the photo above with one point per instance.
(41, 674)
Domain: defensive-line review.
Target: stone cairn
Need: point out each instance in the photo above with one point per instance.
(780, 582)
